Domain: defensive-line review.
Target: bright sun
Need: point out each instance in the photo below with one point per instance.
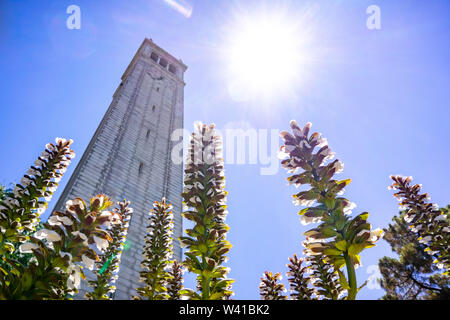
(264, 57)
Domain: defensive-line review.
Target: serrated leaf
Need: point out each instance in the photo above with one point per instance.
(355, 248)
(303, 211)
(341, 245)
(332, 252)
(216, 296)
(343, 280)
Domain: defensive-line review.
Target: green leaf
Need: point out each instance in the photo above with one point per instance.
(346, 182)
(4, 271)
(364, 216)
(15, 272)
(303, 211)
(328, 232)
(26, 280)
(216, 296)
(341, 245)
(356, 248)
(330, 203)
(343, 280)
(338, 262)
(332, 252)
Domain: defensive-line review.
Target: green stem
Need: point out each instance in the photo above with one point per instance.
(205, 288)
(351, 277)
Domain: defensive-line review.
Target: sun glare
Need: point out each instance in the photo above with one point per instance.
(264, 57)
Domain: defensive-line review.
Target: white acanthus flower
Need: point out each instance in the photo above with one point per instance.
(430, 252)
(66, 221)
(416, 229)
(425, 240)
(338, 166)
(73, 282)
(309, 248)
(363, 232)
(32, 172)
(193, 199)
(39, 163)
(88, 262)
(51, 189)
(45, 155)
(304, 144)
(375, 235)
(441, 217)
(102, 244)
(63, 254)
(57, 220)
(105, 213)
(307, 220)
(76, 202)
(282, 154)
(53, 221)
(289, 148)
(327, 153)
(48, 235)
(17, 191)
(200, 186)
(322, 142)
(114, 278)
(349, 207)
(82, 236)
(303, 202)
(28, 247)
(60, 140)
(25, 181)
(50, 146)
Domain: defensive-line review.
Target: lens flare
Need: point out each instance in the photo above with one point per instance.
(182, 6)
(265, 55)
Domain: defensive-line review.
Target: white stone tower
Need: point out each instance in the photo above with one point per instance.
(129, 155)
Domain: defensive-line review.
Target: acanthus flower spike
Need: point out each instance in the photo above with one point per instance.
(425, 219)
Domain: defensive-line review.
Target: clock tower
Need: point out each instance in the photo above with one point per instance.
(129, 155)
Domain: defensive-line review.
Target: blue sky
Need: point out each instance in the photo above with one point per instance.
(379, 96)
